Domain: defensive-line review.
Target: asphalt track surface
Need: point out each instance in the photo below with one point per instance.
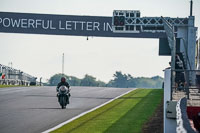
(36, 109)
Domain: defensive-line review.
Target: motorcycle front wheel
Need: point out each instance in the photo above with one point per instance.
(63, 102)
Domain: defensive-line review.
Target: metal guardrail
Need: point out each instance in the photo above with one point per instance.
(16, 77)
(183, 124)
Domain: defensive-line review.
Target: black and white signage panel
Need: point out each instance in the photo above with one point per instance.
(64, 25)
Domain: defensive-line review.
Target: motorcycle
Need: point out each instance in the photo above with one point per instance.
(63, 96)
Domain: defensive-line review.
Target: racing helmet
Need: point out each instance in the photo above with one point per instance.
(63, 79)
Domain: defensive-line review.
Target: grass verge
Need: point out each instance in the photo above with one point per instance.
(6, 86)
(126, 114)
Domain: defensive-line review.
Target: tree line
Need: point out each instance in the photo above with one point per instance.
(120, 80)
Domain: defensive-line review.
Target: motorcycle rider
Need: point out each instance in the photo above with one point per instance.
(62, 83)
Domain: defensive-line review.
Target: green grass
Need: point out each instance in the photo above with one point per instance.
(5, 86)
(124, 115)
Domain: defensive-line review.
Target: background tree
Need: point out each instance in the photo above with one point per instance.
(55, 79)
(120, 80)
(74, 81)
(88, 81)
(131, 81)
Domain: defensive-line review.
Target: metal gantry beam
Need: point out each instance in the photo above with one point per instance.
(133, 23)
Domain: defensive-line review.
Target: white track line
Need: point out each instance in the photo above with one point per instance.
(84, 113)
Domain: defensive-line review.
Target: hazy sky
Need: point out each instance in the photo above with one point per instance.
(41, 55)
